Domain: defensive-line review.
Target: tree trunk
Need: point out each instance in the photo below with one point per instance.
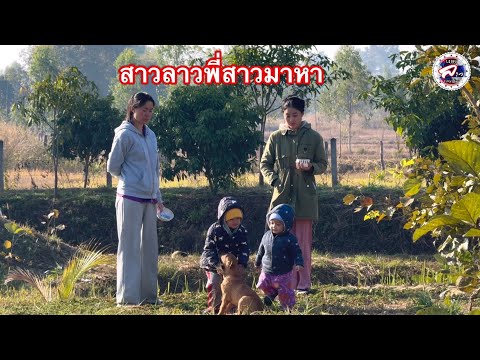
(261, 181)
(55, 156)
(211, 185)
(350, 133)
(340, 142)
(55, 174)
(85, 171)
(471, 100)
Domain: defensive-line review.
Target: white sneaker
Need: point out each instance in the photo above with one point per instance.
(302, 291)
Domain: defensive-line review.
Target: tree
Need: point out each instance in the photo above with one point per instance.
(267, 97)
(206, 130)
(50, 99)
(344, 97)
(18, 79)
(419, 110)
(376, 59)
(122, 93)
(7, 96)
(94, 61)
(442, 195)
(44, 62)
(175, 55)
(86, 131)
(421, 62)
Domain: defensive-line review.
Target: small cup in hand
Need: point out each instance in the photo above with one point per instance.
(301, 163)
(165, 215)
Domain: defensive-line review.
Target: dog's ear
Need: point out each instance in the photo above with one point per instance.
(223, 257)
(231, 260)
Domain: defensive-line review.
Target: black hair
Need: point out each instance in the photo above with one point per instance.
(295, 102)
(137, 100)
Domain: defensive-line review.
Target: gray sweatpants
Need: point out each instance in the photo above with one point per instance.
(137, 255)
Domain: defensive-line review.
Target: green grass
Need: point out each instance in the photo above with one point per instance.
(352, 273)
(182, 290)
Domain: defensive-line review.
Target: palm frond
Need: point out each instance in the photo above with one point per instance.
(33, 279)
(84, 259)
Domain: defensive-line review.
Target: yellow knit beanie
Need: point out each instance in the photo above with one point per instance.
(233, 213)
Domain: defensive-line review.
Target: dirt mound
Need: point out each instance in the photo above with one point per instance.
(31, 250)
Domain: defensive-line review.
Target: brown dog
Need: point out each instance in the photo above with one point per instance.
(235, 292)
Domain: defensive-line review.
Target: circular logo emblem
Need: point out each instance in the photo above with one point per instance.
(451, 71)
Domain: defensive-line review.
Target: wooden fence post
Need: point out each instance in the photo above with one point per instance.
(326, 149)
(382, 162)
(109, 177)
(333, 147)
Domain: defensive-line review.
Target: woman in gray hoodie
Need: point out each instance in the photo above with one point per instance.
(133, 159)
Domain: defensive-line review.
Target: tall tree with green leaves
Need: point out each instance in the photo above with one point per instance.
(377, 60)
(7, 97)
(345, 94)
(441, 194)
(419, 110)
(94, 61)
(267, 98)
(176, 55)
(87, 130)
(120, 92)
(50, 99)
(206, 130)
(18, 79)
(43, 62)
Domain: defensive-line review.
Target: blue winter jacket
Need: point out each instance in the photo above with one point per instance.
(279, 253)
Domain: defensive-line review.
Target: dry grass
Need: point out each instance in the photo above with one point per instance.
(365, 140)
(23, 151)
(43, 179)
(21, 146)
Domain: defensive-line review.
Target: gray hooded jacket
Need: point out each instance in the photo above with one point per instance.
(133, 159)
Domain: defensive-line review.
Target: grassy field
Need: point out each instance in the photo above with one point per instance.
(342, 285)
(353, 283)
(368, 284)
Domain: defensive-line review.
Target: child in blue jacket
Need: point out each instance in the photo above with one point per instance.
(279, 256)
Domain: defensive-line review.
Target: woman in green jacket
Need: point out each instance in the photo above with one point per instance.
(292, 157)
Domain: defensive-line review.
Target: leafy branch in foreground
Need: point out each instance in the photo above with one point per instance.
(16, 231)
(441, 199)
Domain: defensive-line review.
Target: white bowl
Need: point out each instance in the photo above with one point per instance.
(165, 215)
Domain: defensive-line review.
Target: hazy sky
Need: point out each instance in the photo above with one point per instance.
(10, 53)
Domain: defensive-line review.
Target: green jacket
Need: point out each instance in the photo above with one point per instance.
(291, 186)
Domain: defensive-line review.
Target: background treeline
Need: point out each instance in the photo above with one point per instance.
(71, 96)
